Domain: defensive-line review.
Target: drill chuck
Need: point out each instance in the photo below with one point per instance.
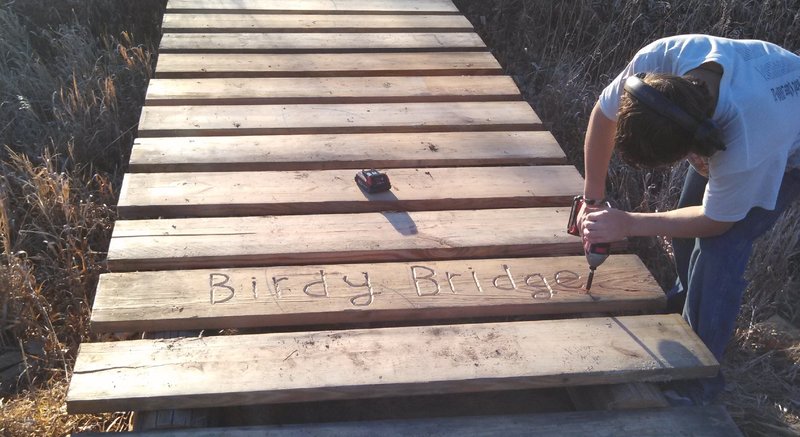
(597, 253)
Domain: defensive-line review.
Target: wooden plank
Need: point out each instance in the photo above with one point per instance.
(424, 290)
(153, 195)
(251, 23)
(227, 91)
(327, 6)
(336, 118)
(173, 419)
(324, 152)
(334, 238)
(707, 421)
(364, 363)
(183, 65)
(334, 42)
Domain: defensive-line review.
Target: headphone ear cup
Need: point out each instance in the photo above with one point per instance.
(705, 132)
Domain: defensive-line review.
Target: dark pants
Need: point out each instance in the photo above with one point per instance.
(711, 270)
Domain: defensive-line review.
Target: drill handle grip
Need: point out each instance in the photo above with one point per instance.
(577, 206)
(572, 223)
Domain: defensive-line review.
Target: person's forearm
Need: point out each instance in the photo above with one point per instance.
(597, 149)
(689, 222)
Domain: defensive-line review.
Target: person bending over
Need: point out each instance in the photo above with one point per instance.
(732, 109)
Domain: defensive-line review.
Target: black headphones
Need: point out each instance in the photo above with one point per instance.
(704, 131)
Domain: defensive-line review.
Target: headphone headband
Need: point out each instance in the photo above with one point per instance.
(704, 131)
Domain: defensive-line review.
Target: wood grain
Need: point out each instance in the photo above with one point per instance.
(324, 152)
(252, 23)
(187, 65)
(424, 290)
(327, 6)
(336, 238)
(171, 419)
(234, 91)
(153, 195)
(299, 367)
(335, 118)
(334, 42)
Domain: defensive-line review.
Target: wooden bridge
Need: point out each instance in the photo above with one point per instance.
(274, 288)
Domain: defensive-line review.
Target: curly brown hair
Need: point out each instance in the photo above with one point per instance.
(647, 139)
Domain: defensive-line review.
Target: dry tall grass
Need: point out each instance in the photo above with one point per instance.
(72, 80)
(562, 53)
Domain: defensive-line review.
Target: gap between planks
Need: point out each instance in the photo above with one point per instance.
(501, 415)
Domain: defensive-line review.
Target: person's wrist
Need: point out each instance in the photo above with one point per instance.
(629, 222)
(591, 201)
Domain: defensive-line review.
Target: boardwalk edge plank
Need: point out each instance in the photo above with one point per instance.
(270, 368)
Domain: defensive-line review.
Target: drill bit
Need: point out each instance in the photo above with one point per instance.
(590, 278)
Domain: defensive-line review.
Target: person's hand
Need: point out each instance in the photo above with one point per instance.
(583, 212)
(604, 225)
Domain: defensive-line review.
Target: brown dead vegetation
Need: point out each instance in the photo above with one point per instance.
(72, 80)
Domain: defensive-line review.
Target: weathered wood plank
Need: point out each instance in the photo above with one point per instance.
(173, 419)
(327, 6)
(186, 65)
(226, 91)
(157, 121)
(153, 195)
(296, 367)
(272, 23)
(333, 42)
(708, 421)
(335, 238)
(337, 294)
(327, 152)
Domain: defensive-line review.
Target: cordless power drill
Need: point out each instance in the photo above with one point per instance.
(597, 253)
